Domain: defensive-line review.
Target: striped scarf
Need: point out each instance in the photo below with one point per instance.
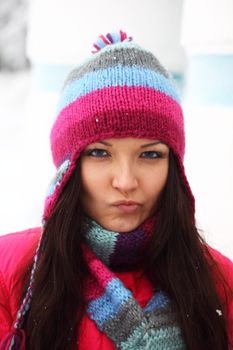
(112, 306)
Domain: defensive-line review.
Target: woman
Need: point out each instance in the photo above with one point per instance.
(119, 263)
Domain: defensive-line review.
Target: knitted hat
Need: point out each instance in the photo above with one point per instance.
(121, 90)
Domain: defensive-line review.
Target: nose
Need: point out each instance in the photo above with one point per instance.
(125, 178)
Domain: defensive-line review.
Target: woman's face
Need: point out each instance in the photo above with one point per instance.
(122, 180)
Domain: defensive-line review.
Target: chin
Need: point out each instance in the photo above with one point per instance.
(125, 225)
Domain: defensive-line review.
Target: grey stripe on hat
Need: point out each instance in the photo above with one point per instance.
(123, 56)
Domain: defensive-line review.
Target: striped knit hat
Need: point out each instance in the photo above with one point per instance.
(121, 90)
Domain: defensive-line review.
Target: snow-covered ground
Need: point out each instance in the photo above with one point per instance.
(26, 116)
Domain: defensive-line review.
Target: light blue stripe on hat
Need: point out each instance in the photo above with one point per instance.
(116, 76)
(108, 304)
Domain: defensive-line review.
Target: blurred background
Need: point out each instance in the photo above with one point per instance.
(41, 40)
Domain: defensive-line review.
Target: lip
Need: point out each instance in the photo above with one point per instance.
(127, 206)
(125, 203)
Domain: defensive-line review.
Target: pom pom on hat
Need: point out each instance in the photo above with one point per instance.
(109, 39)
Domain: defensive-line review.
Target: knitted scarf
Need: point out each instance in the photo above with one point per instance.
(112, 306)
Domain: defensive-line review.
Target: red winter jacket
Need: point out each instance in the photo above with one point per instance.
(16, 253)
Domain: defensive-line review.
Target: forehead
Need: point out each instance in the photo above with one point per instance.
(129, 141)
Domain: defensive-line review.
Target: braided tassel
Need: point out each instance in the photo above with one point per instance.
(25, 306)
(109, 39)
(16, 339)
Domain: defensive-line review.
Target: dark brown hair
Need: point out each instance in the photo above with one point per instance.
(177, 261)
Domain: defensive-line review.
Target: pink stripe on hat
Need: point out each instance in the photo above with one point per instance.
(117, 112)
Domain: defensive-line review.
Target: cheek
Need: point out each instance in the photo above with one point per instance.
(88, 196)
(92, 180)
(86, 178)
(163, 177)
(156, 180)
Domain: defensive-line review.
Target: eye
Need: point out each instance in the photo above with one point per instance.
(151, 154)
(98, 153)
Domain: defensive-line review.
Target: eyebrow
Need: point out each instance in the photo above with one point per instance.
(142, 146)
(152, 144)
